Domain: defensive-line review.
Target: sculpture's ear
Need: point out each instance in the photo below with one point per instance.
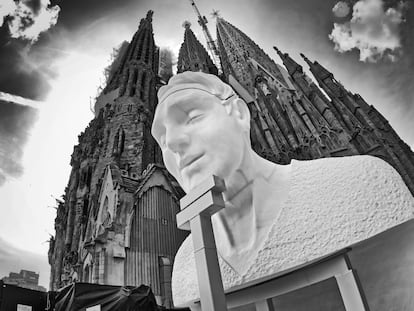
(240, 111)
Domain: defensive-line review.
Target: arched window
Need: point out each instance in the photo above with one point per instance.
(115, 145)
(86, 274)
(121, 142)
(105, 215)
(89, 177)
(133, 83)
(142, 91)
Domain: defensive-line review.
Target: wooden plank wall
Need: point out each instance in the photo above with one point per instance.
(154, 234)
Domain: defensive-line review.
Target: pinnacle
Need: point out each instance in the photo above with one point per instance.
(305, 58)
(147, 21)
(186, 24)
(283, 56)
(279, 52)
(215, 14)
(149, 15)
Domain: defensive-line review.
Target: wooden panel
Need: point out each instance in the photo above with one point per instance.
(154, 234)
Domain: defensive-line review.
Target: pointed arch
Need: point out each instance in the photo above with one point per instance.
(119, 142)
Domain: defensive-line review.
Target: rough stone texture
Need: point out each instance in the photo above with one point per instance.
(332, 204)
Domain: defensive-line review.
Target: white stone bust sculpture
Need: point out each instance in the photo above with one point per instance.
(275, 216)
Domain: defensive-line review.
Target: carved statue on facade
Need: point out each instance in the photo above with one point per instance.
(276, 216)
(70, 266)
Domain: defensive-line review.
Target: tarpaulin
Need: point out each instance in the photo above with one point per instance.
(79, 296)
(12, 296)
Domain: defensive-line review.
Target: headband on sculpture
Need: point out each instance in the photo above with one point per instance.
(190, 80)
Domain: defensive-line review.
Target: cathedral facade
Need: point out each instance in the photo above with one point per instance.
(116, 223)
(293, 118)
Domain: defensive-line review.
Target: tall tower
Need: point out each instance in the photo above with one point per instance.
(140, 58)
(118, 186)
(193, 56)
(239, 56)
(285, 124)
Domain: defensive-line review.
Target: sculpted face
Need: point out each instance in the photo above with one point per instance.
(199, 135)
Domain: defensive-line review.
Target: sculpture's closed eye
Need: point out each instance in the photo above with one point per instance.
(194, 117)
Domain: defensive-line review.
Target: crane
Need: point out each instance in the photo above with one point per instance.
(211, 44)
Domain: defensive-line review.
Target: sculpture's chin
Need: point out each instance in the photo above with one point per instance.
(195, 174)
(194, 181)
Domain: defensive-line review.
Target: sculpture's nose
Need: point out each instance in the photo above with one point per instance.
(177, 140)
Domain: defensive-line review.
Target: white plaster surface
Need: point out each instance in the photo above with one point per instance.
(332, 203)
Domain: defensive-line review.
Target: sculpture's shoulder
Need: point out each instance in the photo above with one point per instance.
(184, 277)
(344, 166)
(361, 176)
(332, 204)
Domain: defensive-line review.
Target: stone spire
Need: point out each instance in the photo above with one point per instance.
(238, 52)
(285, 125)
(193, 56)
(291, 66)
(117, 145)
(117, 187)
(130, 100)
(324, 77)
(141, 52)
(369, 130)
(313, 94)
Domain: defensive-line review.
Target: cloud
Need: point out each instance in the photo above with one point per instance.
(15, 123)
(19, 100)
(7, 8)
(341, 9)
(21, 72)
(26, 22)
(372, 30)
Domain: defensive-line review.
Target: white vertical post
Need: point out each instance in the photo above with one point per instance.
(197, 207)
(351, 295)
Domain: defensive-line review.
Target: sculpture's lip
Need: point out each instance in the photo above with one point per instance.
(188, 160)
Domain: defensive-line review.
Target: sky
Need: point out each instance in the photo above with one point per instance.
(53, 54)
